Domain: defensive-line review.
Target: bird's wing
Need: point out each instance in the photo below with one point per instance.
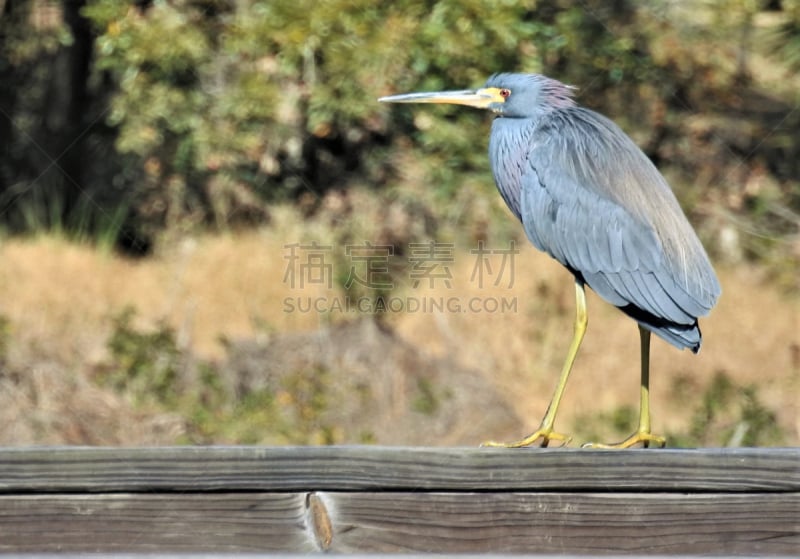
(603, 210)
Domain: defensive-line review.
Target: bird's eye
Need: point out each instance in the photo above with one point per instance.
(505, 93)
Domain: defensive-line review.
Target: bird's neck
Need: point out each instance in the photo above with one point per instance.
(508, 146)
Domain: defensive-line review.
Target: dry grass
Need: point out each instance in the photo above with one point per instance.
(59, 298)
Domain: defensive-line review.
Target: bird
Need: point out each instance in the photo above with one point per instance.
(589, 197)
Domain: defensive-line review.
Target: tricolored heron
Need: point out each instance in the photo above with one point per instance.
(590, 198)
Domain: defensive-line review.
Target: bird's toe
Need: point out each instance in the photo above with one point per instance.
(541, 437)
(645, 439)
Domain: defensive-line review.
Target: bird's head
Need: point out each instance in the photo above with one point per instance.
(508, 95)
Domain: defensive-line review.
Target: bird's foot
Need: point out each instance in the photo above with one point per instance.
(644, 438)
(541, 436)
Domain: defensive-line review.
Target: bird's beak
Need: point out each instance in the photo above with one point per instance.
(480, 98)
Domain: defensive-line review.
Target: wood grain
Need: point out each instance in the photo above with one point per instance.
(387, 500)
(388, 468)
(154, 523)
(578, 523)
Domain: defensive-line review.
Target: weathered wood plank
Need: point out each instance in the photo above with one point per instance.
(577, 523)
(394, 468)
(172, 523)
(569, 522)
(462, 522)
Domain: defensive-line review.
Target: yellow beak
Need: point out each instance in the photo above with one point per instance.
(480, 98)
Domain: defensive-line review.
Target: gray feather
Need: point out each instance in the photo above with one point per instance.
(590, 198)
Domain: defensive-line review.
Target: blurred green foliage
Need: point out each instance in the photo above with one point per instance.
(135, 118)
(148, 366)
(428, 398)
(728, 414)
(784, 41)
(5, 338)
(723, 413)
(281, 94)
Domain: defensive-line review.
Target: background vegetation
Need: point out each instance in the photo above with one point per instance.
(159, 129)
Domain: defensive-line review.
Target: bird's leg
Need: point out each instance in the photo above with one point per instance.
(545, 432)
(643, 434)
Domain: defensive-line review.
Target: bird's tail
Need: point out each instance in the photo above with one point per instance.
(682, 336)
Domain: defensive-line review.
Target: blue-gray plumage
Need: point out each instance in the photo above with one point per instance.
(590, 198)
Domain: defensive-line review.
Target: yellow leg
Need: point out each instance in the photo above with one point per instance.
(642, 435)
(545, 432)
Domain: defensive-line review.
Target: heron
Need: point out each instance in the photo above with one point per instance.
(591, 199)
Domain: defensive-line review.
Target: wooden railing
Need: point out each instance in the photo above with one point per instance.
(384, 499)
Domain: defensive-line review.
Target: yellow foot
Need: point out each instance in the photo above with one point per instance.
(542, 434)
(645, 439)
